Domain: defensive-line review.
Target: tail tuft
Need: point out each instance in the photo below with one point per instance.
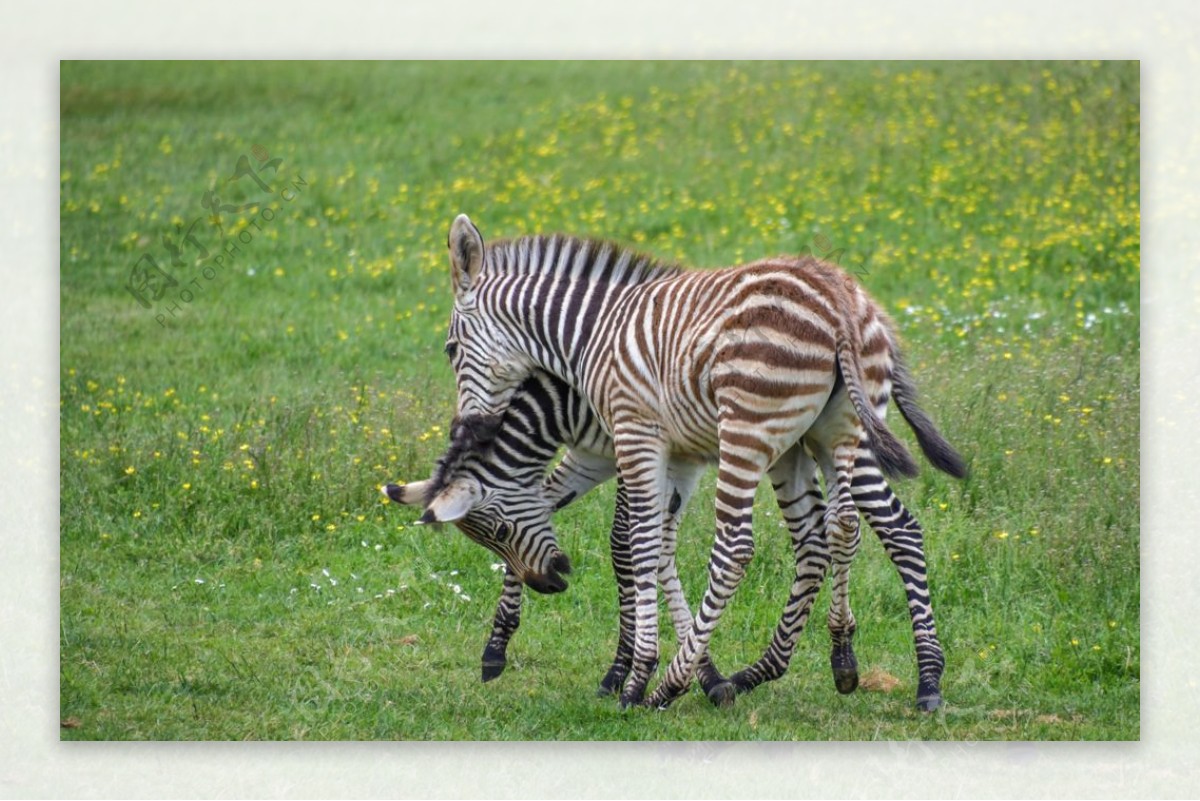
(894, 459)
(940, 453)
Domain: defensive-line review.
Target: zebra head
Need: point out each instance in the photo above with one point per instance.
(513, 525)
(488, 364)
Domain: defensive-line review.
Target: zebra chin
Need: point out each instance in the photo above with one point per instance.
(552, 580)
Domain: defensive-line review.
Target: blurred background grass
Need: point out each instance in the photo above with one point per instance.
(227, 569)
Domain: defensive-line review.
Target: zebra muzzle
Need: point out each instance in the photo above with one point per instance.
(552, 580)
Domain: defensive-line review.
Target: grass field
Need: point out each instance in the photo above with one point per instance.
(228, 569)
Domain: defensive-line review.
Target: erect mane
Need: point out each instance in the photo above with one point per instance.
(581, 258)
(472, 436)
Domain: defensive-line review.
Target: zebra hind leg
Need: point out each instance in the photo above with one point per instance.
(802, 505)
(843, 534)
(744, 460)
(903, 540)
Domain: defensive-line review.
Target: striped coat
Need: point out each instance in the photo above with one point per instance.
(738, 363)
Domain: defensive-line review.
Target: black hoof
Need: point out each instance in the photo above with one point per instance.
(845, 669)
(631, 697)
(741, 682)
(659, 702)
(846, 680)
(611, 682)
(628, 702)
(929, 703)
(663, 696)
(491, 670)
(723, 695)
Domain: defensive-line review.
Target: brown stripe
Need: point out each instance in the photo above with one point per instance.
(787, 325)
(876, 374)
(748, 442)
(744, 414)
(774, 356)
(766, 388)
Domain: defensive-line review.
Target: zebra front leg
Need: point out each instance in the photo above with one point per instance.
(903, 540)
(744, 457)
(508, 607)
(641, 466)
(504, 625)
(802, 504)
(684, 477)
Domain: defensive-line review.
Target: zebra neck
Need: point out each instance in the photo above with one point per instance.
(562, 294)
(557, 319)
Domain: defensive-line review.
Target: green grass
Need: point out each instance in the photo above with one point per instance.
(227, 568)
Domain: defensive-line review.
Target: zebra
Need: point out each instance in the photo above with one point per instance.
(496, 500)
(546, 413)
(739, 362)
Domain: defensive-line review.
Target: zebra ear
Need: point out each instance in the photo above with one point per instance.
(406, 494)
(453, 502)
(466, 254)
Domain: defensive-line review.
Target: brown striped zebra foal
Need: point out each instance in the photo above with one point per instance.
(545, 413)
(740, 362)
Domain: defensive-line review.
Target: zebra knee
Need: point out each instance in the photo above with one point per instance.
(846, 512)
(742, 552)
(847, 517)
(841, 525)
(733, 550)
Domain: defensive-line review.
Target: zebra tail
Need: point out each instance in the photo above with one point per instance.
(940, 453)
(894, 459)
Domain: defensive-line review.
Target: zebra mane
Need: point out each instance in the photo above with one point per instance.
(474, 436)
(560, 253)
(471, 436)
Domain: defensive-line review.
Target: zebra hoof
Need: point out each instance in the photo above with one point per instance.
(723, 695)
(608, 687)
(631, 697)
(664, 696)
(845, 679)
(492, 670)
(742, 683)
(611, 682)
(845, 668)
(628, 702)
(929, 703)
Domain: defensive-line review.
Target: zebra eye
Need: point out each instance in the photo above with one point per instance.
(451, 349)
(504, 530)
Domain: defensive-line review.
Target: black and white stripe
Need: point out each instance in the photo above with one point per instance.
(545, 414)
(736, 364)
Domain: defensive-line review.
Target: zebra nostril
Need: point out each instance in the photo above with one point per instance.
(547, 584)
(560, 563)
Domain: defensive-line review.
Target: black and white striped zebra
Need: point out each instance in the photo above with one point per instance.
(503, 496)
(739, 363)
